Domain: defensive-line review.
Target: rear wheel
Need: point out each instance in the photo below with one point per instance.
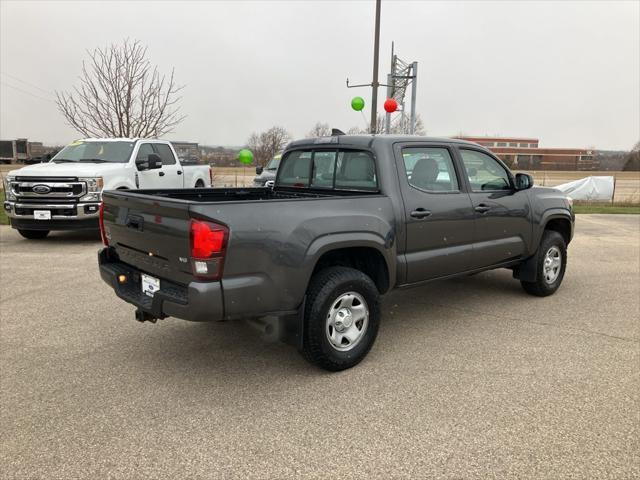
(342, 317)
(199, 184)
(552, 263)
(33, 234)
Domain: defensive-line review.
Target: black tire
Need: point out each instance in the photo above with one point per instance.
(199, 184)
(541, 287)
(325, 288)
(33, 234)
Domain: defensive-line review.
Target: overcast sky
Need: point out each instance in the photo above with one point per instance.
(567, 72)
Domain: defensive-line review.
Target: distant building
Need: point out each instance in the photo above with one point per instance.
(187, 150)
(526, 154)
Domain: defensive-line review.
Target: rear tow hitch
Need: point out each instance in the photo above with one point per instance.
(143, 316)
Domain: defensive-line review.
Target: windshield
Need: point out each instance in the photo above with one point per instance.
(99, 152)
(273, 163)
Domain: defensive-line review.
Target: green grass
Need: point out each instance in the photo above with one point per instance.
(606, 208)
(4, 220)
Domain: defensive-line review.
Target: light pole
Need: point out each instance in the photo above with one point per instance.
(374, 83)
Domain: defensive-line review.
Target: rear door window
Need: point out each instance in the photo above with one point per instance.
(430, 169)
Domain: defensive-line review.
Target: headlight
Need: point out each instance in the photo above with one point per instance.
(8, 194)
(94, 189)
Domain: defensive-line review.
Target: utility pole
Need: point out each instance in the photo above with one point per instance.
(414, 87)
(375, 83)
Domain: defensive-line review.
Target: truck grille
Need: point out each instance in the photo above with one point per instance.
(46, 188)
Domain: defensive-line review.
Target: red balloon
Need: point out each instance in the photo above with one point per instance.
(390, 105)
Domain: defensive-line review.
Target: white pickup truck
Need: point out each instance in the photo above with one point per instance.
(65, 193)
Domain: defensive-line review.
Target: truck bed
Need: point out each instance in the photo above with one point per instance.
(271, 234)
(214, 195)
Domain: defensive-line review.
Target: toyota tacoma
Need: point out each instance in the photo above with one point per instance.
(349, 219)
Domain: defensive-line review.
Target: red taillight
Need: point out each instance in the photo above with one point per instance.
(208, 243)
(103, 234)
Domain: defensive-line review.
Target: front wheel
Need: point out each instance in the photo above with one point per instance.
(552, 263)
(342, 317)
(33, 234)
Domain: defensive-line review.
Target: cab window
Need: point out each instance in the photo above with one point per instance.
(144, 151)
(295, 169)
(484, 172)
(165, 153)
(324, 164)
(355, 170)
(430, 169)
(338, 169)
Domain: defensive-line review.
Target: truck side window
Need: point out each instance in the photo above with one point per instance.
(484, 172)
(144, 151)
(165, 153)
(430, 169)
(355, 170)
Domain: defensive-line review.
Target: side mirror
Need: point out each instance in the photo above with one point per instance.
(259, 170)
(152, 162)
(523, 181)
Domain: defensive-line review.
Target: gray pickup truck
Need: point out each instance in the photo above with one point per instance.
(349, 219)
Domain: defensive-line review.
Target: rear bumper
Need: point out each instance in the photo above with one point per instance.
(198, 301)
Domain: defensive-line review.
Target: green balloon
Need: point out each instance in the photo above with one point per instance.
(245, 156)
(357, 103)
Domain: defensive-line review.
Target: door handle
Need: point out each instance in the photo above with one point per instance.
(179, 172)
(420, 213)
(482, 208)
(161, 174)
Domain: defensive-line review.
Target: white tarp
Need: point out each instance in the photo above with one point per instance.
(589, 188)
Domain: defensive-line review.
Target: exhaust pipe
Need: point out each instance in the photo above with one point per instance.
(267, 326)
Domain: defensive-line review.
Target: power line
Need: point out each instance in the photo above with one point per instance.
(26, 83)
(26, 92)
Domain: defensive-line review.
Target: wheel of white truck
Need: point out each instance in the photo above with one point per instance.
(342, 317)
(33, 234)
(552, 263)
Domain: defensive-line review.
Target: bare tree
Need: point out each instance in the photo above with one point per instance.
(121, 95)
(267, 144)
(320, 130)
(398, 128)
(632, 163)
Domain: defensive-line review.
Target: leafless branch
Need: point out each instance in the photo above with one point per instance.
(267, 144)
(121, 94)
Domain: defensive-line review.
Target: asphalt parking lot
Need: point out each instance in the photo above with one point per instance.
(469, 378)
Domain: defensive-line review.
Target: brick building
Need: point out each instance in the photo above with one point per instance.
(526, 154)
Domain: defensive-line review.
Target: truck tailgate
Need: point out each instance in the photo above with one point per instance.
(150, 233)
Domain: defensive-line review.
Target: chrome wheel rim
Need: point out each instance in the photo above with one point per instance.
(347, 321)
(552, 264)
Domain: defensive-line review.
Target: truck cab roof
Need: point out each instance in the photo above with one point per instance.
(367, 141)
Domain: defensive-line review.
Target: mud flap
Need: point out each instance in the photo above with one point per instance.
(527, 271)
(291, 329)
